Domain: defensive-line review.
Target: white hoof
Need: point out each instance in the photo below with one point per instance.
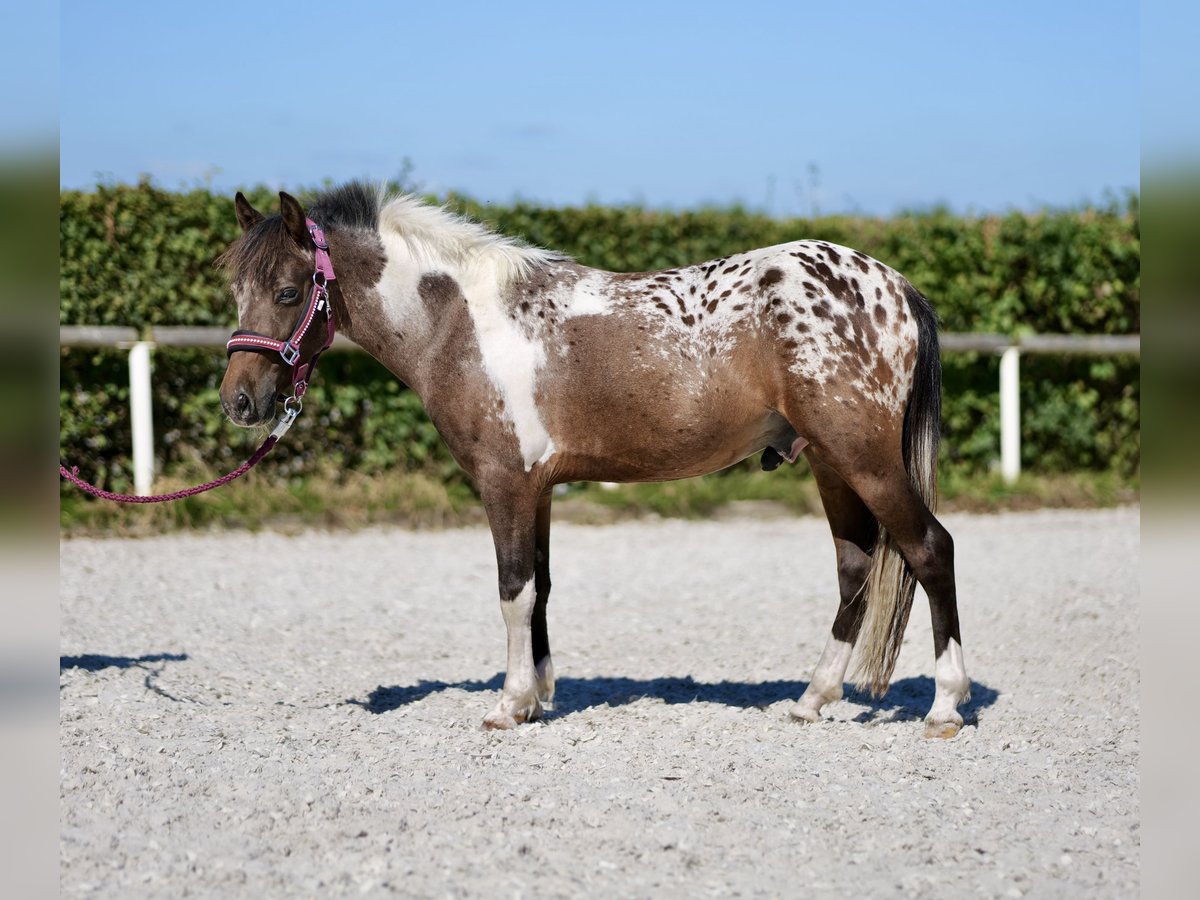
(803, 713)
(943, 730)
(808, 709)
(510, 714)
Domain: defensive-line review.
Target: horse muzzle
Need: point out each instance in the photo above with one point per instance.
(247, 408)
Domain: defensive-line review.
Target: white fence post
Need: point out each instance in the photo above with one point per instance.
(1010, 414)
(141, 417)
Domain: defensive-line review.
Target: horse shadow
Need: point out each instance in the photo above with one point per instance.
(907, 698)
(94, 662)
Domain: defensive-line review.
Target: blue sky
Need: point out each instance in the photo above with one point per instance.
(786, 107)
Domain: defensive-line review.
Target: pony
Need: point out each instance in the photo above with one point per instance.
(538, 371)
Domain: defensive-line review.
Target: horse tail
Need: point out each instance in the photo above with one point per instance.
(890, 585)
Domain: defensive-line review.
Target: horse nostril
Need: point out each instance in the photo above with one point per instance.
(241, 403)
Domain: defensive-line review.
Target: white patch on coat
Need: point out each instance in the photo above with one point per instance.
(826, 683)
(587, 297)
(397, 286)
(953, 688)
(511, 359)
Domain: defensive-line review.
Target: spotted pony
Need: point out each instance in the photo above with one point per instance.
(538, 371)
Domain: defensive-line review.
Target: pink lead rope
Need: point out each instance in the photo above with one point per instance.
(289, 350)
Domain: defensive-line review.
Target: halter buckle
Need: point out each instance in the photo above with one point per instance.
(290, 354)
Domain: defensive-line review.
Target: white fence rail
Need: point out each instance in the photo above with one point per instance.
(1009, 350)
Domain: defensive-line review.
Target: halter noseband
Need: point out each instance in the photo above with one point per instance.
(289, 350)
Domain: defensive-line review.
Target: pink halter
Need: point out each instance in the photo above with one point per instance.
(289, 350)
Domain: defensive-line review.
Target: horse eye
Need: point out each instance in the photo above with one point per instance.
(287, 295)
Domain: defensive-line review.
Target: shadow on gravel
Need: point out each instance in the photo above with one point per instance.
(910, 699)
(385, 699)
(907, 698)
(94, 662)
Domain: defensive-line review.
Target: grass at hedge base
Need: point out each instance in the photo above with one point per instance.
(340, 500)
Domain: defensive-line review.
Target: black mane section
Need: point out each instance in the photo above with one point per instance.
(350, 205)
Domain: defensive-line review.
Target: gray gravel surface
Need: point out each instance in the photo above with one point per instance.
(253, 715)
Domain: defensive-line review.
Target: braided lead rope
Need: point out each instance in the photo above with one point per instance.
(72, 475)
(289, 416)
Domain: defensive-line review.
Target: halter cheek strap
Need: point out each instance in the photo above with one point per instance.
(289, 349)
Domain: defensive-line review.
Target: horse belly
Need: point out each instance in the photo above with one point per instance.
(657, 427)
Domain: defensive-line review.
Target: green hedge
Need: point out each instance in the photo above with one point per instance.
(140, 256)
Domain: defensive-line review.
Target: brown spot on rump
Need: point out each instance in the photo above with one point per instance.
(524, 306)
(861, 262)
(783, 318)
(688, 320)
(858, 298)
(878, 293)
(744, 289)
(881, 372)
(834, 256)
(790, 344)
(770, 277)
(880, 314)
(664, 308)
(711, 286)
(711, 306)
(682, 305)
(692, 289)
(739, 307)
(821, 309)
(732, 268)
(801, 327)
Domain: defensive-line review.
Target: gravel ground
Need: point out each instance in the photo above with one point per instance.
(251, 715)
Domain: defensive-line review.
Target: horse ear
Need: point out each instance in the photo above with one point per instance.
(294, 220)
(247, 215)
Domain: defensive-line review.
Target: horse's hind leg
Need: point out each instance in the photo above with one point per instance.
(880, 479)
(854, 530)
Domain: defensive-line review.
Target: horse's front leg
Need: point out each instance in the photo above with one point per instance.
(512, 514)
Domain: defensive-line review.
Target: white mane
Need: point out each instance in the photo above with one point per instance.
(438, 236)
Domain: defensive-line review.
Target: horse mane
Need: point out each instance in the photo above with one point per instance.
(432, 233)
(435, 234)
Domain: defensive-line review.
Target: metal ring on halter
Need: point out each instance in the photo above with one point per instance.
(321, 284)
(293, 405)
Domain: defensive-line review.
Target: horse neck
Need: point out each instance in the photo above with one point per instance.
(390, 309)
